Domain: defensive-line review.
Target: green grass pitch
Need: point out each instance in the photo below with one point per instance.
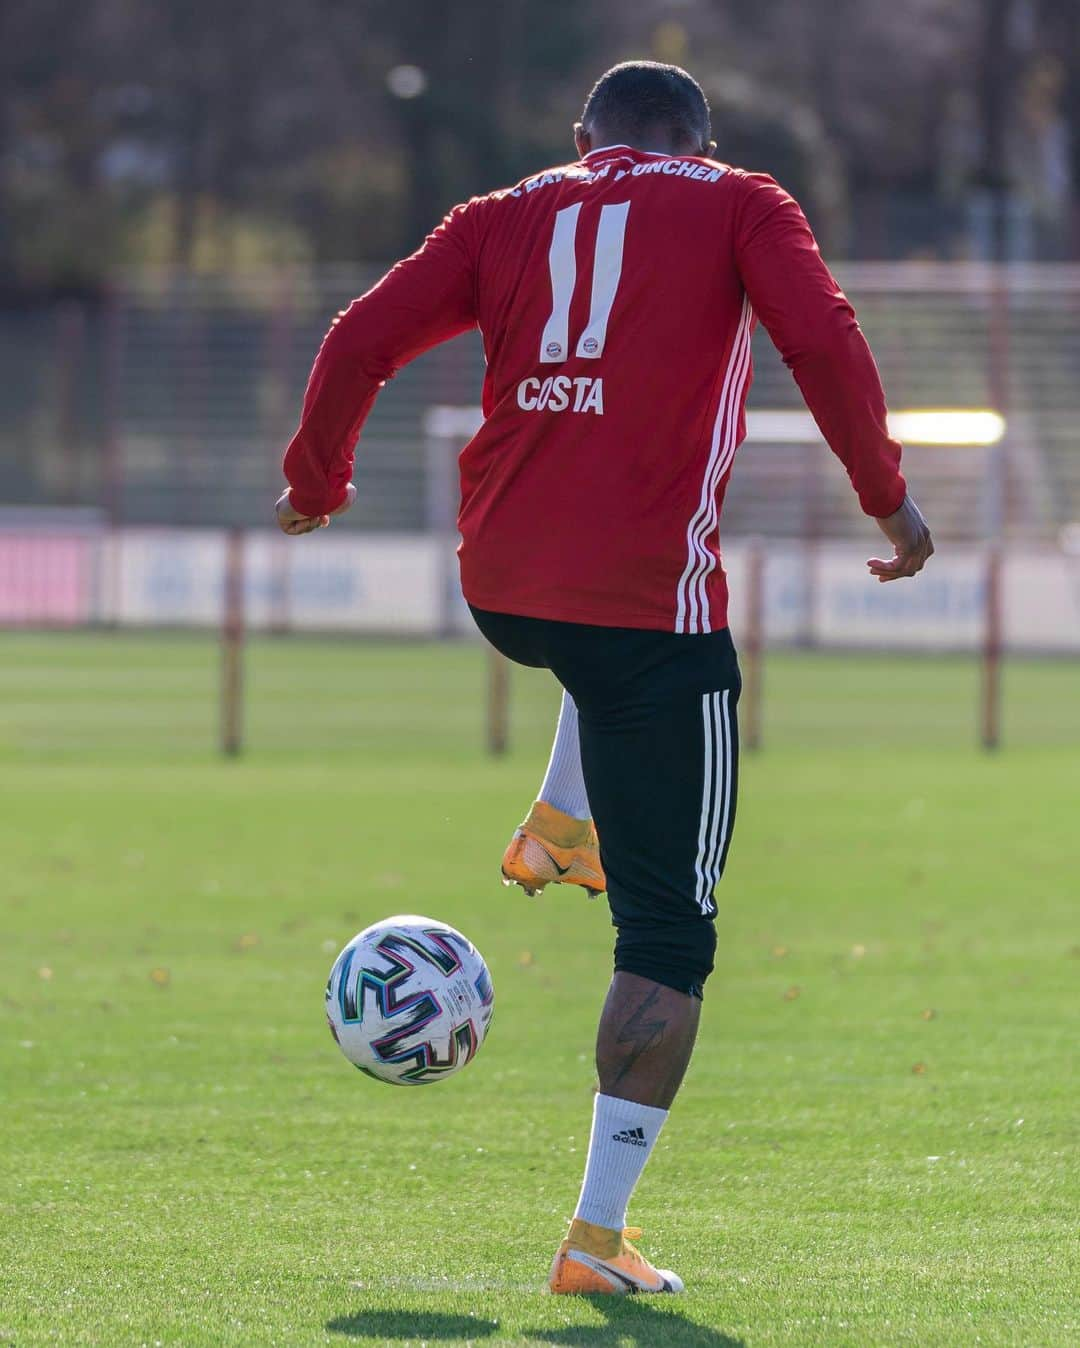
(877, 1140)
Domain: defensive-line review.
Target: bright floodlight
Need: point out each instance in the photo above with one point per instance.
(974, 426)
(948, 426)
(406, 81)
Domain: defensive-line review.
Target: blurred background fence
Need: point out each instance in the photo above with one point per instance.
(168, 402)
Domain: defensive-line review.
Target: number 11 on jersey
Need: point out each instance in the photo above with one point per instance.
(562, 264)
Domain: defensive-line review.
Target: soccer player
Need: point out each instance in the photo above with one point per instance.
(616, 296)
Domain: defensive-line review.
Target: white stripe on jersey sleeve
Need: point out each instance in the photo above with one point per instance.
(686, 615)
(562, 264)
(712, 520)
(607, 268)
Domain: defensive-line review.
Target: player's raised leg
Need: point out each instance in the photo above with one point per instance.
(556, 842)
(563, 787)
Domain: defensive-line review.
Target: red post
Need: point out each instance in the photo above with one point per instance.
(111, 472)
(997, 511)
(232, 647)
(280, 413)
(753, 645)
(992, 645)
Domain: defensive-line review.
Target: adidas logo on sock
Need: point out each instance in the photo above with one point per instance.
(635, 1136)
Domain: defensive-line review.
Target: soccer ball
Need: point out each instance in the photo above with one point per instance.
(409, 1000)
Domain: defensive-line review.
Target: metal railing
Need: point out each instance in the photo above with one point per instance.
(170, 402)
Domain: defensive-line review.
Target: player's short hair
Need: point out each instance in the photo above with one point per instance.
(636, 97)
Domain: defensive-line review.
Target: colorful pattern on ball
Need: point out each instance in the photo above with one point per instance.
(409, 1001)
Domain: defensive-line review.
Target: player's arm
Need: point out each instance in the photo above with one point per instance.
(814, 328)
(423, 300)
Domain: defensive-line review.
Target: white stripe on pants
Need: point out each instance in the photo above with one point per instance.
(715, 822)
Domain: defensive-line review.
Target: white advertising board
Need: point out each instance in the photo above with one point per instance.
(379, 583)
(824, 596)
(385, 583)
(1041, 600)
(407, 584)
(166, 577)
(943, 610)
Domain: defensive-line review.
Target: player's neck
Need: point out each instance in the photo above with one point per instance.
(646, 144)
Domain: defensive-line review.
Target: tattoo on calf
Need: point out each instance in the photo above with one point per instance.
(640, 1032)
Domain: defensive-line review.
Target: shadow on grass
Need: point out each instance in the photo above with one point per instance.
(635, 1320)
(629, 1320)
(389, 1326)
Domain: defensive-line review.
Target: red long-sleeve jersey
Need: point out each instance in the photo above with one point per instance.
(616, 297)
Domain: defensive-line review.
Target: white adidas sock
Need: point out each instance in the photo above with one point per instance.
(623, 1136)
(564, 784)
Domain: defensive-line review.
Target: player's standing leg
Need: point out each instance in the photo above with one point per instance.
(556, 842)
(661, 762)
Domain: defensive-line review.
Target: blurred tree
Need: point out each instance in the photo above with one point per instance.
(996, 92)
(212, 134)
(492, 77)
(1060, 32)
(875, 74)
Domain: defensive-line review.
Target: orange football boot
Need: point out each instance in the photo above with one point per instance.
(553, 848)
(593, 1259)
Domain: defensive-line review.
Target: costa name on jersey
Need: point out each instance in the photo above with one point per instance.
(560, 393)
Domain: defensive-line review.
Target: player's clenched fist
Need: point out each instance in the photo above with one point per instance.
(909, 534)
(290, 521)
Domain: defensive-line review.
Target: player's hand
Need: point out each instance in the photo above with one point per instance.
(290, 521)
(909, 534)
